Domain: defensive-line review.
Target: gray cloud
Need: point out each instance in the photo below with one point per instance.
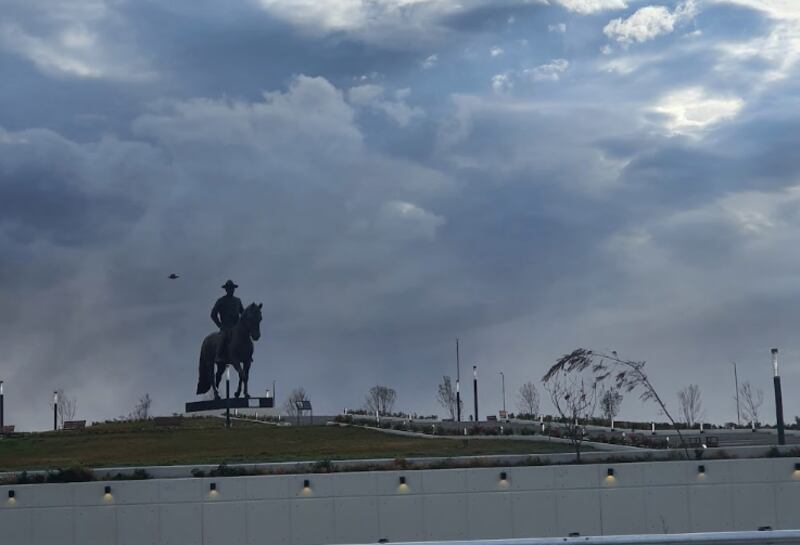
(380, 208)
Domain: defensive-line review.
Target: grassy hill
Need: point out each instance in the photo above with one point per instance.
(206, 441)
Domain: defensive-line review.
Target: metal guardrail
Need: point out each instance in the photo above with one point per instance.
(761, 537)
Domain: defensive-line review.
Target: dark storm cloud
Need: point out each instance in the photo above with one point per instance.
(354, 168)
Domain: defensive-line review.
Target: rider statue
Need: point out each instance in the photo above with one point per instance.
(225, 314)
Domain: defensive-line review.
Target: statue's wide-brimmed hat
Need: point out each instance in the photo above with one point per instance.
(229, 284)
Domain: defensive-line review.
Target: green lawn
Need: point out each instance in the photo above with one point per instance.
(201, 440)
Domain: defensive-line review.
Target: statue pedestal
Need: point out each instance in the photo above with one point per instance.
(215, 405)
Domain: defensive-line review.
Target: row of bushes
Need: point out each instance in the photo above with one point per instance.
(74, 474)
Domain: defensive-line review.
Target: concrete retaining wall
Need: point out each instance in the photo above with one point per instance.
(660, 497)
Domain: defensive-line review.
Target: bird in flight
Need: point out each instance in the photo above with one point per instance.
(173, 276)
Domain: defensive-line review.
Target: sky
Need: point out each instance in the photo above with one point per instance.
(385, 176)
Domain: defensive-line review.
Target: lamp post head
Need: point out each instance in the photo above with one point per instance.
(774, 361)
(475, 371)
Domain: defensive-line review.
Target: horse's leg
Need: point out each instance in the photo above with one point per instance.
(238, 368)
(246, 377)
(217, 379)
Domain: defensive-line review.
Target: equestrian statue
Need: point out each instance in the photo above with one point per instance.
(232, 344)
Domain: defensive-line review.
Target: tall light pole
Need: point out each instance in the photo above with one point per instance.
(475, 389)
(55, 410)
(227, 396)
(778, 397)
(458, 384)
(736, 381)
(2, 416)
(503, 382)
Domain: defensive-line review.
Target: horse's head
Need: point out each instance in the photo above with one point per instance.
(252, 319)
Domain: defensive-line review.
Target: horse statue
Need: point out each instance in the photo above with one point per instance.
(239, 353)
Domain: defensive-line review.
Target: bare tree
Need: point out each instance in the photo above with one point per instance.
(67, 407)
(574, 395)
(610, 402)
(289, 406)
(142, 409)
(528, 399)
(627, 375)
(752, 398)
(446, 396)
(691, 405)
(380, 399)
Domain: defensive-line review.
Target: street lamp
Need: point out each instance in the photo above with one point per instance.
(475, 389)
(458, 385)
(778, 397)
(55, 410)
(227, 397)
(503, 382)
(2, 416)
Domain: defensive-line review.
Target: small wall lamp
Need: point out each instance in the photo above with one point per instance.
(11, 494)
(108, 489)
(306, 483)
(797, 467)
(212, 487)
(610, 472)
(503, 475)
(402, 480)
(701, 469)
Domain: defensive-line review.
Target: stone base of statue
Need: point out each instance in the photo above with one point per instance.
(235, 403)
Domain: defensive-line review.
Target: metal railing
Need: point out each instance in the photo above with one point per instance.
(760, 537)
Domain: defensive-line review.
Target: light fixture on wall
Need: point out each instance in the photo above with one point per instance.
(212, 487)
(11, 494)
(610, 472)
(503, 476)
(701, 469)
(306, 483)
(797, 467)
(402, 480)
(107, 489)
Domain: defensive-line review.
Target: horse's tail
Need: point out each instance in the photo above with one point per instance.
(205, 368)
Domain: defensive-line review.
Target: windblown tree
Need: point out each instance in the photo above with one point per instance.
(625, 375)
(610, 403)
(752, 399)
(528, 399)
(691, 404)
(290, 405)
(446, 396)
(574, 395)
(380, 399)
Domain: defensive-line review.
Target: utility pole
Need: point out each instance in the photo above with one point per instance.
(2, 416)
(458, 384)
(55, 410)
(778, 397)
(736, 380)
(475, 389)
